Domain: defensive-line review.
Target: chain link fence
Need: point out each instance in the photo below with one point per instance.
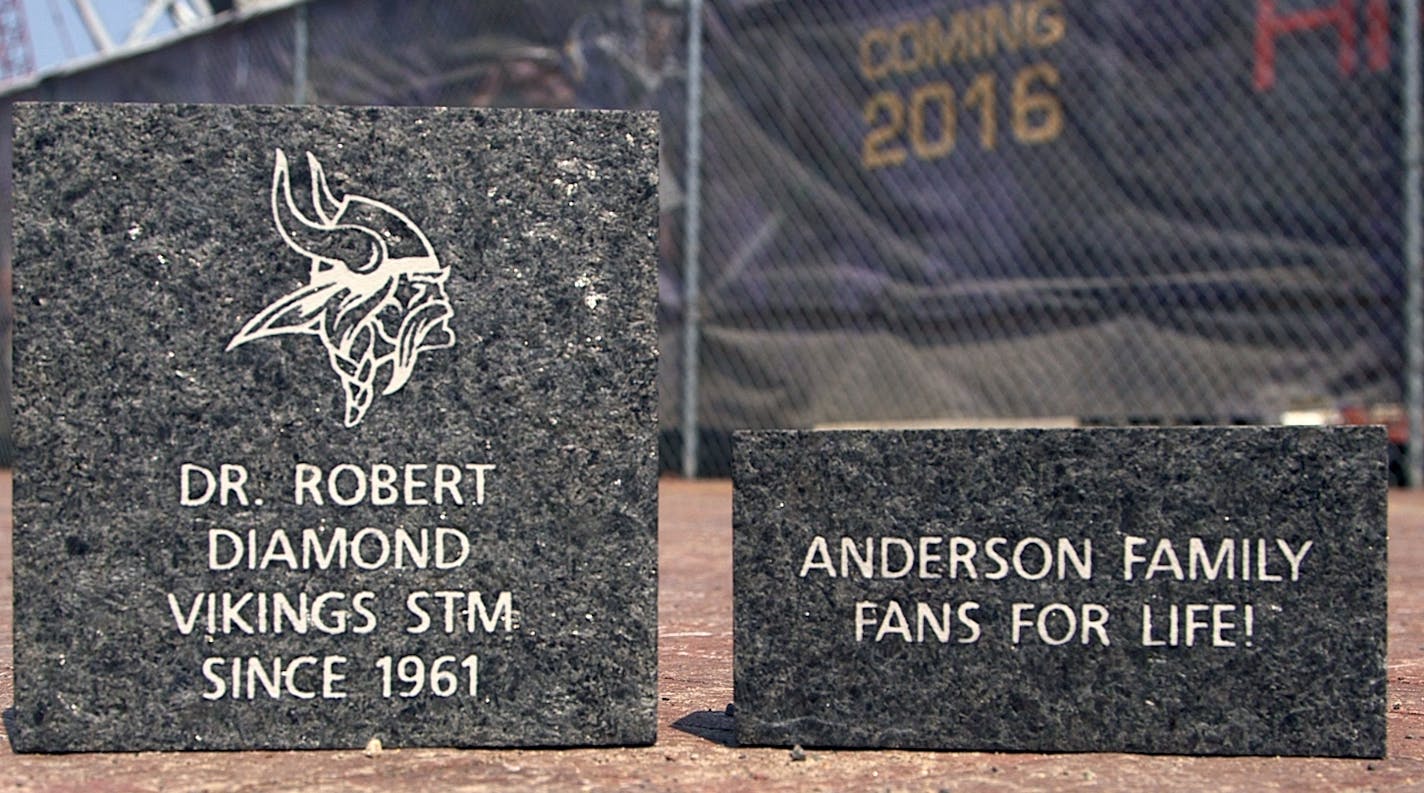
(932, 213)
(935, 213)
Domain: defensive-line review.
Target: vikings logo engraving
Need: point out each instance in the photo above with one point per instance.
(376, 298)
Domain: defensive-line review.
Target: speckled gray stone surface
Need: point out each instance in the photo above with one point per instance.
(164, 320)
(832, 654)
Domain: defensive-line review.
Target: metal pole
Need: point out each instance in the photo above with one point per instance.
(299, 56)
(1413, 253)
(691, 240)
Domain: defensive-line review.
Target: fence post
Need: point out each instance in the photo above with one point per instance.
(1413, 254)
(691, 240)
(299, 54)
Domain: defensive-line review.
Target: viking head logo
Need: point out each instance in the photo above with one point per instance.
(376, 297)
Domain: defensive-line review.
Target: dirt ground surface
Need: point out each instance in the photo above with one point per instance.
(695, 748)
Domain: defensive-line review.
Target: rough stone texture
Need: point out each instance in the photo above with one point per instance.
(145, 240)
(695, 748)
(1310, 682)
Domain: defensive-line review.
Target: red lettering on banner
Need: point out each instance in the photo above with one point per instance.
(1271, 24)
(1377, 15)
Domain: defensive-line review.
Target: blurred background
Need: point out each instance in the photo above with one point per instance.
(883, 213)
